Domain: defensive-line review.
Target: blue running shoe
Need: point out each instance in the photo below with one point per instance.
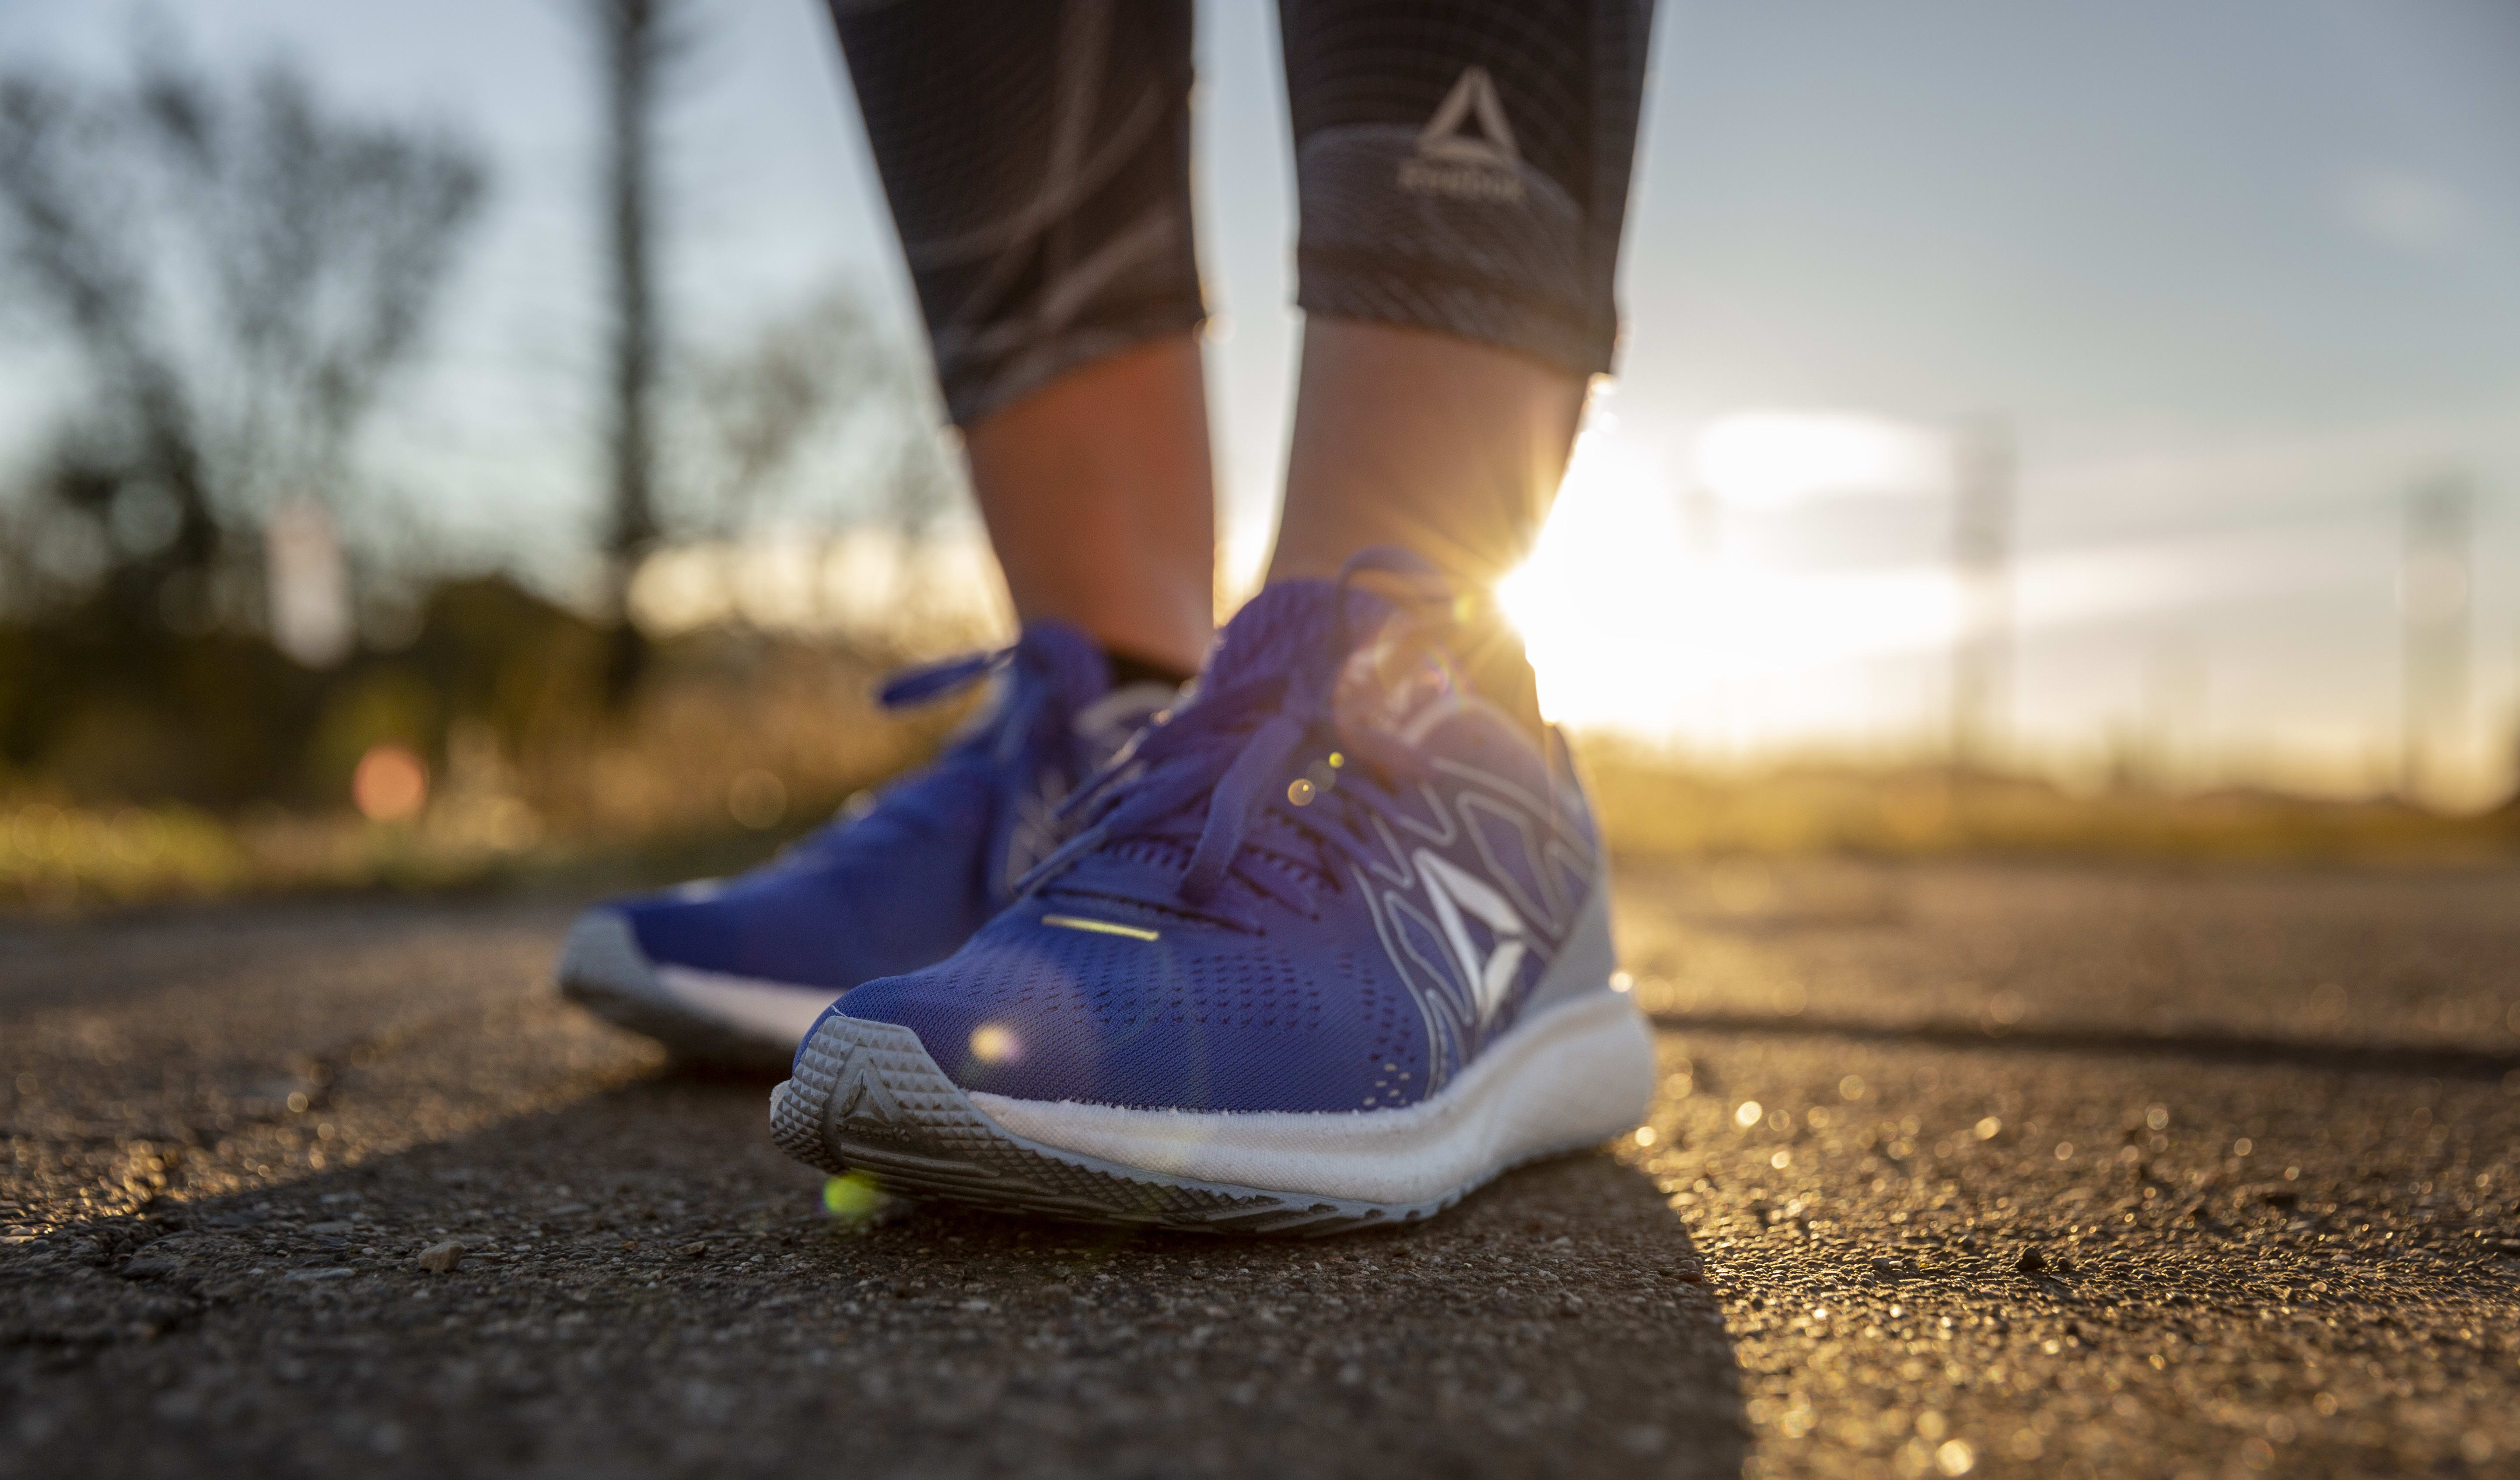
(732, 972)
(1329, 947)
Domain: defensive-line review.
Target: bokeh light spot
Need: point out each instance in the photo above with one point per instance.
(756, 799)
(389, 784)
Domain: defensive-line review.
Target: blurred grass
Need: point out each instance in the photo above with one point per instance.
(55, 858)
(669, 776)
(54, 855)
(733, 741)
(149, 767)
(1656, 807)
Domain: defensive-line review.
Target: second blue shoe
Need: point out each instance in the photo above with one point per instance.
(1330, 946)
(731, 973)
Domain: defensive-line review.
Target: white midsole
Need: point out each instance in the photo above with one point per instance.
(1577, 1072)
(765, 1009)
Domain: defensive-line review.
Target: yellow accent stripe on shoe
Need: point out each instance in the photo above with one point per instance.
(1098, 926)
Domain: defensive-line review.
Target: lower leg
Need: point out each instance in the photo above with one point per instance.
(1463, 170)
(1036, 157)
(1098, 498)
(1442, 445)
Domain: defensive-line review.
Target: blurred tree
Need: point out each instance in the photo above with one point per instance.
(230, 274)
(237, 273)
(637, 41)
(816, 377)
(756, 408)
(815, 429)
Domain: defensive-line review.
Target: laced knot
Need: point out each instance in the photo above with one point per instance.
(1029, 712)
(1030, 715)
(1225, 776)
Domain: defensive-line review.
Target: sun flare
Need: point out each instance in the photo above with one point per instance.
(1633, 629)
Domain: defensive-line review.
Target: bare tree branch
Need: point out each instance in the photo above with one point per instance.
(239, 271)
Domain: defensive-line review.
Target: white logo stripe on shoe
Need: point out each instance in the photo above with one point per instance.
(1451, 889)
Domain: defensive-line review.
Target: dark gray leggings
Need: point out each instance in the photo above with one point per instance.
(1462, 167)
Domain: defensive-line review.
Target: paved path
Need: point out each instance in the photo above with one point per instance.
(1956, 1170)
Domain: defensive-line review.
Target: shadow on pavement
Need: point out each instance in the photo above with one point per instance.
(649, 1288)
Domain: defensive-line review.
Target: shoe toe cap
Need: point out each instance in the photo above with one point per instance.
(992, 1026)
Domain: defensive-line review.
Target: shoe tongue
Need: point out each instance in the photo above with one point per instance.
(1292, 628)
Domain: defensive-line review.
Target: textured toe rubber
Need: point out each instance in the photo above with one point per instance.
(867, 1096)
(717, 1022)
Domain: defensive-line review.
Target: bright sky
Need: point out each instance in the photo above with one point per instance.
(2237, 275)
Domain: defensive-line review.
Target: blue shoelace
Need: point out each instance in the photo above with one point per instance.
(1033, 719)
(1227, 749)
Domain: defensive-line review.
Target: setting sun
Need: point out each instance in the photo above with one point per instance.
(1633, 627)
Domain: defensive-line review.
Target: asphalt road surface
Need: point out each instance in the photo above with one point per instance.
(1955, 1169)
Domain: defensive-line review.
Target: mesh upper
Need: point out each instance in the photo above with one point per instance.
(1358, 999)
(1197, 1019)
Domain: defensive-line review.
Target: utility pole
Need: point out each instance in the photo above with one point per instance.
(2433, 605)
(1982, 490)
(2174, 709)
(1703, 517)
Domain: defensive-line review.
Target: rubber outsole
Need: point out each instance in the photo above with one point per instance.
(602, 970)
(866, 1097)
